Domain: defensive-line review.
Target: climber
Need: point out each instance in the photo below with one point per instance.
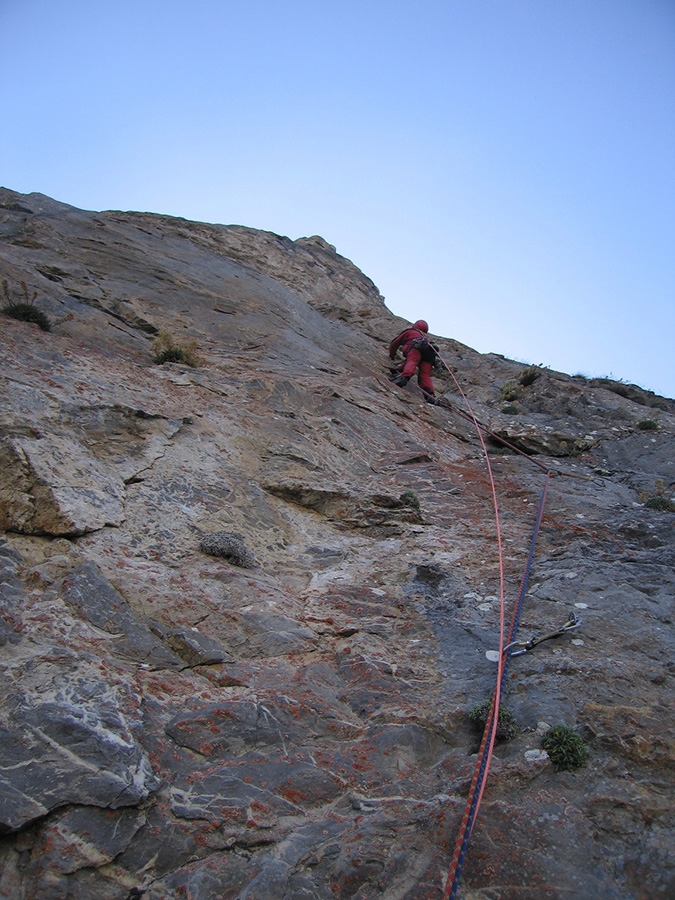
(420, 355)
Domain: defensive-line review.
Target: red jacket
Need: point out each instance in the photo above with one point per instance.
(404, 341)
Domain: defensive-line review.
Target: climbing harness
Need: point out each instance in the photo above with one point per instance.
(517, 648)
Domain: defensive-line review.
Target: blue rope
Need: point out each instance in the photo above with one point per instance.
(526, 579)
(493, 721)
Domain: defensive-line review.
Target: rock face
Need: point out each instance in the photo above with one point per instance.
(288, 718)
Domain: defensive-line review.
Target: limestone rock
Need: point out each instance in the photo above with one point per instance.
(55, 487)
(87, 591)
(73, 749)
(195, 648)
(12, 593)
(172, 723)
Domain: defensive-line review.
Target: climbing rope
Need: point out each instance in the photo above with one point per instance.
(443, 403)
(490, 730)
(507, 648)
(482, 767)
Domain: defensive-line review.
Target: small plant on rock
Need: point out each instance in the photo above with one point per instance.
(565, 748)
(529, 375)
(24, 310)
(658, 499)
(662, 504)
(511, 409)
(230, 546)
(507, 727)
(410, 498)
(616, 386)
(167, 350)
(509, 392)
(648, 425)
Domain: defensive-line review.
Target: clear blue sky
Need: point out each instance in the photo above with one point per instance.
(503, 168)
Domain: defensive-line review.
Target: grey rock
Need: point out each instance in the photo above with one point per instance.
(225, 799)
(56, 487)
(87, 591)
(197, 649)
(310, 737)
(75, 749)
(78, 842)
(270, 883)
(275, 634)
(12, 593)
(220, 877)
(236, 726)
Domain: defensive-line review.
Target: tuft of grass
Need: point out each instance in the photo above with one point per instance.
(617, 386)
(511, 409)
(663, 504)
(507, 727)
(658, 499)
(565, 748)
(410, 498)
(529, 375)
(509, 392)
(170, 354)
(230, 546)
(167, 350)
(648, 425)
(24, 310)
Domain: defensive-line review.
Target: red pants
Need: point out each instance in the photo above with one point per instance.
(414, 360)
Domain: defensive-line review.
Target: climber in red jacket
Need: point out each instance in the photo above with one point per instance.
(419, 356)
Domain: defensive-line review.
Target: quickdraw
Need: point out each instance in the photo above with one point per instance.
(526, 646)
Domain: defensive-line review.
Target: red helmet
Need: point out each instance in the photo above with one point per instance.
(421, 325)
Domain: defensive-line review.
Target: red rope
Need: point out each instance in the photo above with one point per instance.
(443, 403)
(482, 768)
(490, 730)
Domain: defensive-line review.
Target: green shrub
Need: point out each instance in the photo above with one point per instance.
(511, 409)
(529, 375)
(648, 425)
(507, 727)
(663, 504)
(410, 498)
(171, 354)
(167, 350)
(24, 310)
(658, 499)
(509, 392)
(565, 748)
